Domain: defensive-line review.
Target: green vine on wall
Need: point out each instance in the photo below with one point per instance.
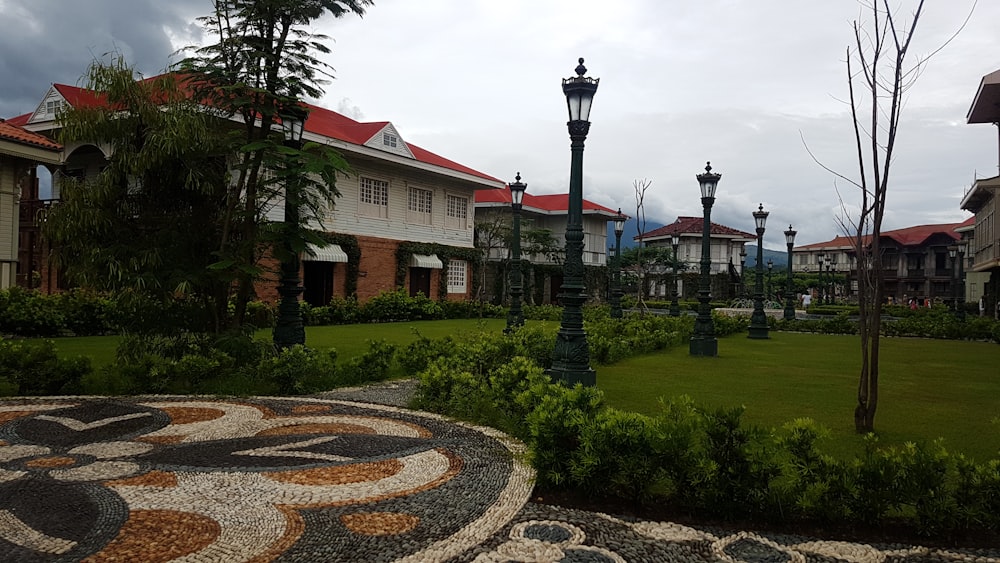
(446, 253)
(349, 244)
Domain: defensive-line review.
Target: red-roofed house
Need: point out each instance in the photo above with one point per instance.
(915, 261)
(548, 212)
(396, 193)
(20, 152)
(726, 245)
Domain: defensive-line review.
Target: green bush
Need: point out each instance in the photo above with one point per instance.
(86, 313)
(373, 365)
(30, 313)
(35, 369)
(397, 305)
(296, 370)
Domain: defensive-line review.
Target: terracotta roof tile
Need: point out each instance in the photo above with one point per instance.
(907, 236)
(12, 132)
(689, 225)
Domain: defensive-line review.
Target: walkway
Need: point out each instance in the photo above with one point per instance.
(332, 478)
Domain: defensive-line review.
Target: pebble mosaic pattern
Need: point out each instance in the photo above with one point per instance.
(348, 476)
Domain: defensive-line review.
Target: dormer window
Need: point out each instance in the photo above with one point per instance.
(389, 140)
(52, 107)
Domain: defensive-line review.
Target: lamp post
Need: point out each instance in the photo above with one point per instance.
(770, 286)
(829, 279)
(743, 263)
(288, 328)
(703, 342)
(675, 309)
(789, 294)
(571, 356)
(616, 276)
(515, 318)
(758, 321)
(819, 280)
(961, 279)
(953, 254)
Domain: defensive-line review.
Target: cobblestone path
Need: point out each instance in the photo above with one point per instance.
(317, 479)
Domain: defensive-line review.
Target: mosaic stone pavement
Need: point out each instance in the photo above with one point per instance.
(337, 478)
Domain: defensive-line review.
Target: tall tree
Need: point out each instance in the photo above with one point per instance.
(880, 72)
(263, 63)
(147, 223)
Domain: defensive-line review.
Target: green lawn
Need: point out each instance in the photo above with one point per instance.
(929, 388)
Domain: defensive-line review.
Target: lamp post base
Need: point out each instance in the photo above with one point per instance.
(703, 346)
(570, 377)
(758, 332)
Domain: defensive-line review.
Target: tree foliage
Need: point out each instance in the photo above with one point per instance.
(263, 63)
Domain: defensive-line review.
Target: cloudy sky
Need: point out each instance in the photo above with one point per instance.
(747, 85)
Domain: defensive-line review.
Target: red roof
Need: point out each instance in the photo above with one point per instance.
(12, 132)
(320, 121)
(689, 225)
(552, 203)
(909, 236)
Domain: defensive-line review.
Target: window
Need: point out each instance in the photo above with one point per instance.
(374, 196)
(456, 276)
(52, 107)
(418, 208)
(389, 140)
(458, 211)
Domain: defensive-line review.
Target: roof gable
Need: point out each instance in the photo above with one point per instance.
(13, 133)
(388, 139)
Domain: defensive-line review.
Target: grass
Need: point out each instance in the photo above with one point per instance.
(928, 388)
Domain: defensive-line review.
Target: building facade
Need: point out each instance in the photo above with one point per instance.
(404, 218)
(982, 200)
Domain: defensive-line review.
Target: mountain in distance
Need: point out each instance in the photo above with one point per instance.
(778, 257)
(630, 232)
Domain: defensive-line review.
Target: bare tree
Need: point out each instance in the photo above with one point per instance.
(640, 187)
(880, 73)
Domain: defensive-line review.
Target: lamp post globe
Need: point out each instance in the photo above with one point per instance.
(515, 317)
(616, 274)
(571, 356)
(289, 329)
(703, 341)
(758, 321)
(789, 314)
(675, 309)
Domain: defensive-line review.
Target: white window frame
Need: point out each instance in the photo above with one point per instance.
(419, 205)
(390, 140)
(457, 276)
(373, 197)
(457, 212)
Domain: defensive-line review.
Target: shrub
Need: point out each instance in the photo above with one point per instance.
(297, 369)
(373, 365)
(36, 369)
(398, 306)
(30, 313)
(86, 313)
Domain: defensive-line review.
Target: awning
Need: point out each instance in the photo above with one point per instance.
(425, 261)
(329, 253)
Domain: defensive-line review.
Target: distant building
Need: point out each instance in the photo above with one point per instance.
(549, 212)
(726, 245)
(915, 261)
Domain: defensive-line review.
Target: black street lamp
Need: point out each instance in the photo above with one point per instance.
(770, 287)
(961, 279)
(288, 328)
(758, 320)
(675, 308)
(743, 264)
(789, 294)
(819, 281)
(830, 261)
(703, 342)
(571, 357)
(515, 318)
(616, 276)
(953, 254)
